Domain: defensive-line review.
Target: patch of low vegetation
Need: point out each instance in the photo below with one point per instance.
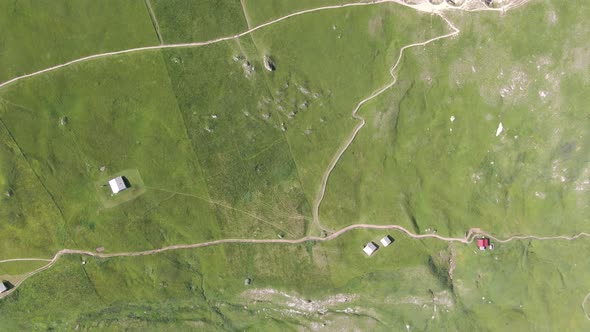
(185, 21)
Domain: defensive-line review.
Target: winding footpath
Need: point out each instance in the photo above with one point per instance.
(469, 237)
(361, 124)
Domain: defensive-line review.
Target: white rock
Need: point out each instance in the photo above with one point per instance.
(500, 129)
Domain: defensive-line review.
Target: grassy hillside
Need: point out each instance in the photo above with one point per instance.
(183, 21)
(326, 286)
(43, 33)
(215, 146)
(429, 157)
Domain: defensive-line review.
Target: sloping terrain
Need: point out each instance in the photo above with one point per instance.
(40, 34)
(482, 130)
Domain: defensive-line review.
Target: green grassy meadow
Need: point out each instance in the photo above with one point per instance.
(215, 146)
(44, 33)
(432, 173)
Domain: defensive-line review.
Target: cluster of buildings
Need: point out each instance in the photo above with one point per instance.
(483, 243)
(371, 247)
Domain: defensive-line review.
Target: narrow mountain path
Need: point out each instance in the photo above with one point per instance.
(469, 237)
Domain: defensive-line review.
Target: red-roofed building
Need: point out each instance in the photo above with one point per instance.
(483, 243)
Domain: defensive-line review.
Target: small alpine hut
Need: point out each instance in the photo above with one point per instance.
(483, 243)
(3, 287)
(117, 184)
(370, 248)
(386, 241)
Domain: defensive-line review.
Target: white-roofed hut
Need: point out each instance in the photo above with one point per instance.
(117, 184)
(370, 248)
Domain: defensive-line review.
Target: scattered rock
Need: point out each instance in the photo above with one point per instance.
(248, 281)
(248, 68)
(456, 3)
(8, 193)
(63, 121)
(102, 168)
(238, 57)
(303, 90)
(269, 63)
(500, 129)
(100, 249)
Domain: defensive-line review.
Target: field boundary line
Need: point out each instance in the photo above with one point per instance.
(28, 162)
(154, 20)
(246, 16)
